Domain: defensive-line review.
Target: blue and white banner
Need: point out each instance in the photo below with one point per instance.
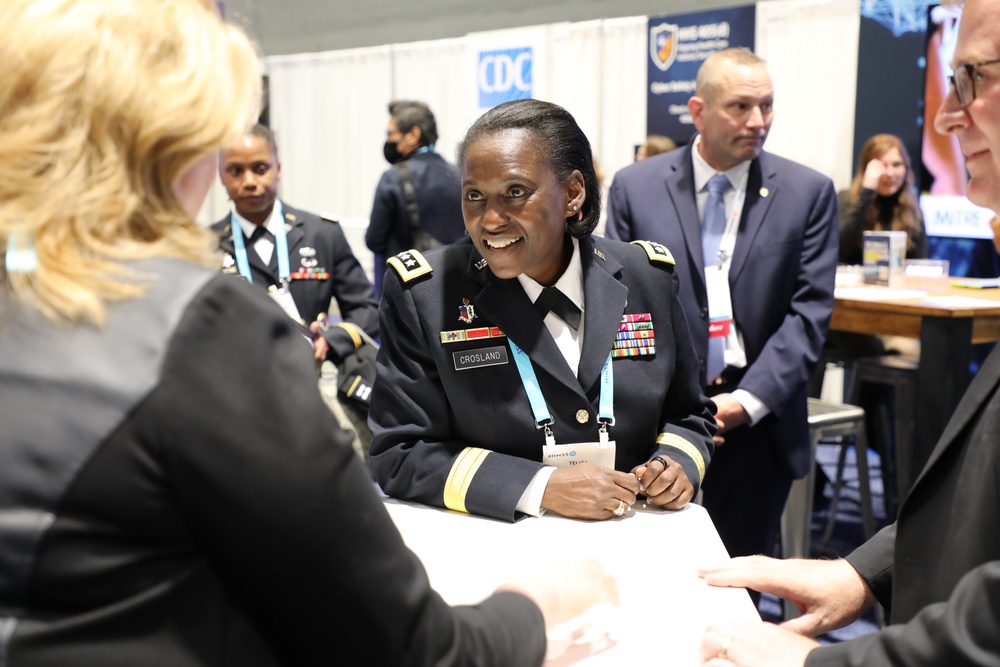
(955, 217)
(678, 45)
(508, 65)
(504, 75)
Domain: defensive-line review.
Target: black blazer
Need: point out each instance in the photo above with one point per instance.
(937, 569)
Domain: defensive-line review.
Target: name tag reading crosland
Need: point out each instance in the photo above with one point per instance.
(484, 356)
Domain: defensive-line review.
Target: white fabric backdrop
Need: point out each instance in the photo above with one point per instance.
(329, 109)
(811, 49)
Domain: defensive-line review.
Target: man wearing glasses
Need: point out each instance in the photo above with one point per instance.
(937, 569)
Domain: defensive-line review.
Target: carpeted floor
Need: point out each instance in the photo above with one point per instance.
(847, 533)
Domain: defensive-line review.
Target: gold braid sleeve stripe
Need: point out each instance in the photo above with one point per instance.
(463, 471)
(677, 442)
(353, 330)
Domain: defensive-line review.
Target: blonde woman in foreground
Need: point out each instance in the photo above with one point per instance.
(173, 491)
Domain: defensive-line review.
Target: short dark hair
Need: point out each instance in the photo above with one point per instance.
(560, 141)
(409, 114)
(265, 133)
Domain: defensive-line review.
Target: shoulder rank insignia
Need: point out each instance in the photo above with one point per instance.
(410, 264)
(330, 217)
(657, 252)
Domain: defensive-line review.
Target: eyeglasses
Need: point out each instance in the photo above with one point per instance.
(964, 81)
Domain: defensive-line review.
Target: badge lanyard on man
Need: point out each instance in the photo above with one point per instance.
(280, 294)
(602, 452)
(718, 240)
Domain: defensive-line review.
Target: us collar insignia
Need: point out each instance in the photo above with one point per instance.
(466, 312)
(481, 264)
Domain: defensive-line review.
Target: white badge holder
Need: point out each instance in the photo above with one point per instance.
(720, 304)
(600, 453)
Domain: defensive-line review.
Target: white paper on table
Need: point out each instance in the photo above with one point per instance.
(877, 293)
(959, 302)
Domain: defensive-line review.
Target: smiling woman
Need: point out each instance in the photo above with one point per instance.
(533, 367)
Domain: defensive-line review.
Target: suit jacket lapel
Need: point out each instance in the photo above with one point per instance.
(972, 404)
(761, 191)
(605, 298)
(680, 190)
(296, 235)
(226, 236)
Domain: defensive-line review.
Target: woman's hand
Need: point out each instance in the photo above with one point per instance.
(564, 589)
(589, 491)
(873, 174)
(322, 348)
(665, 485)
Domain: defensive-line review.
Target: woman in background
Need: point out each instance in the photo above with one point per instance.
(173, 491)
(881, 198)
(654, 145)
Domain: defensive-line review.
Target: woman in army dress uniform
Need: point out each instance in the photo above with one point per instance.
(532, 366)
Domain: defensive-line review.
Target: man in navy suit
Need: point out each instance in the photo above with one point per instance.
(767, 292)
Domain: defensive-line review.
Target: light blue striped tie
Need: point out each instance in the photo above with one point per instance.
(712, 229)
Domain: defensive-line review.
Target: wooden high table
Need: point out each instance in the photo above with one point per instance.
(653, 555)
(947, 322)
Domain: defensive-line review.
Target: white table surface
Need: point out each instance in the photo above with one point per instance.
(654, 556)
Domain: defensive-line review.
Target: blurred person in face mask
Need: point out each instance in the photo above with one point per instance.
(418, 200)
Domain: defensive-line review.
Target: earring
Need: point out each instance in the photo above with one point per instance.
(575, 207)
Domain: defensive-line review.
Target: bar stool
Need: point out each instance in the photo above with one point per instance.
(900, 373)
(826, 420)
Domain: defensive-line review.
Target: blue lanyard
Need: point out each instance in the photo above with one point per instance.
(280, 247)
(543, 419)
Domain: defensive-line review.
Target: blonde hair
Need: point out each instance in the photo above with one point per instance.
(906, 215)
(103, 105)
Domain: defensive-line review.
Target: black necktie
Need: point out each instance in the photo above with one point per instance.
(551, 299)
(259, 233)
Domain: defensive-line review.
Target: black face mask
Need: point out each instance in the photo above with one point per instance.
(391, 152)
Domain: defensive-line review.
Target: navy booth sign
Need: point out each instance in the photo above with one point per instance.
(678, 45)
(503, 76)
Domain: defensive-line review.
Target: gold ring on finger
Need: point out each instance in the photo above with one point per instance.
(727, 644)
(618, 511)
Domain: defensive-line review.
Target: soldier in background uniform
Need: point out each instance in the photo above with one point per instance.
(497, 395)
(320, 265)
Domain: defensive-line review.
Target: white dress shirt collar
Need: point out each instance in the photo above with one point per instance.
(703, 171)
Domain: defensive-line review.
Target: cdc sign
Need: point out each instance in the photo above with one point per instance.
(503, 76)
